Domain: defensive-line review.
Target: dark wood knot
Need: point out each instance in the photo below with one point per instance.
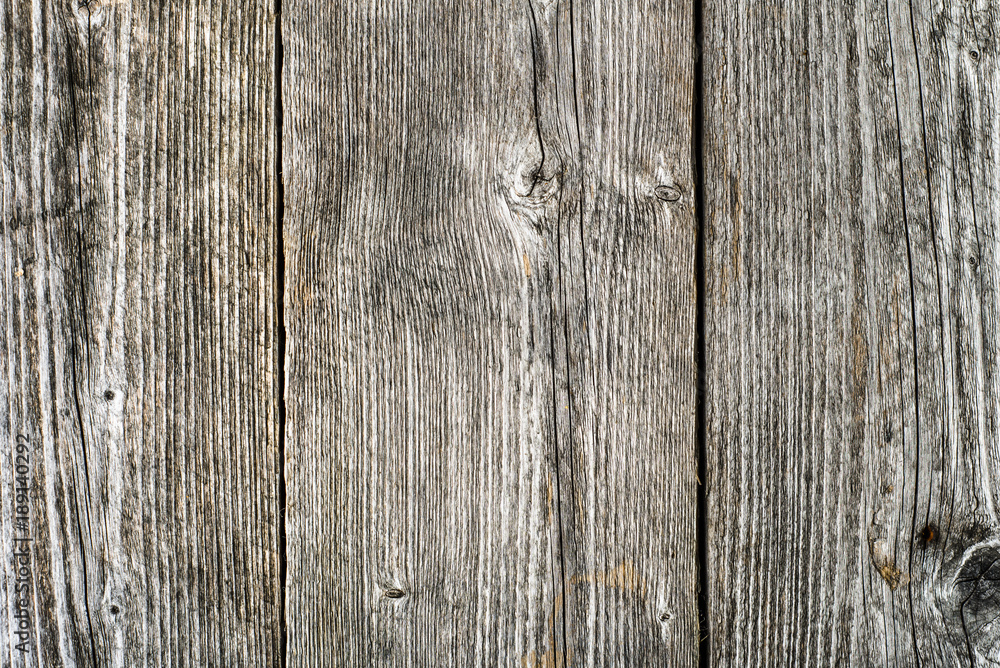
(977, 588)
(667, 193)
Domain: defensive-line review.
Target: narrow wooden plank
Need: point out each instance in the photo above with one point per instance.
(490, 303)
(851, 308)
(626, 244)
(137, 335)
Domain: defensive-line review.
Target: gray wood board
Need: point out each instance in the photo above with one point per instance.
(490, 300)
(851, 321)
(138, 349)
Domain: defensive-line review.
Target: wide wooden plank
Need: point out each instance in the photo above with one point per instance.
(420, 521)
(138, 352)
(490, 317)
(851, 309)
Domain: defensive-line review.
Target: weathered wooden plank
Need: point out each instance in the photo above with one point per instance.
(627, 298)
(137, 334)
(851, 305)
(419, 378)
(490, 314)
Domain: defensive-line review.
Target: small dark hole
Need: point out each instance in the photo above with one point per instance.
(928, 535)
(109, 395)
(114, 610)
(394, 593)
(664, 616)
(974, 54)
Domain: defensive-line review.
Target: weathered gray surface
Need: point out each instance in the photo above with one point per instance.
(137, 332)
(490, 306)
(853, 460)
(490, 439)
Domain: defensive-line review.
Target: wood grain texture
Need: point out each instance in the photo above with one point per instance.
(851, 319)
(137, 333)
(628, 453)
(489, 241)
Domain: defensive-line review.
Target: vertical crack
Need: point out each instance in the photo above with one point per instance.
(937, 265)
(80, 339)
(558, 609)
(913, 317)
(538, 175)
(280, 321)
(559, 605)
(701, 389)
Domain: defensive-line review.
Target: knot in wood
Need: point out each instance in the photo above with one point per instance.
(667, 193)
(977, 584)
(976, 597)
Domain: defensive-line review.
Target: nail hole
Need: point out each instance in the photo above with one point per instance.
(109, 395)
(928, 535)
(667, 193)
(974, 54)
(394, 593)
(114, 610)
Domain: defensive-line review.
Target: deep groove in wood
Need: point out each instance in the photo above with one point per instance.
(280, 320)
(279, 271)
(913, 317)
(701, 434)
(75, 362)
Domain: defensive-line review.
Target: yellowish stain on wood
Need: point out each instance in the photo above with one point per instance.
(624, 576)
(549, 502)
(887, 568)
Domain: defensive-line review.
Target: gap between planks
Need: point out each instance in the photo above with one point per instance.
(280, 320)
(701, 389)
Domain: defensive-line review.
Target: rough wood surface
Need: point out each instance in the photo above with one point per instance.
(490, 300)
(489, 238)
(137, 335)
(852, 271)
